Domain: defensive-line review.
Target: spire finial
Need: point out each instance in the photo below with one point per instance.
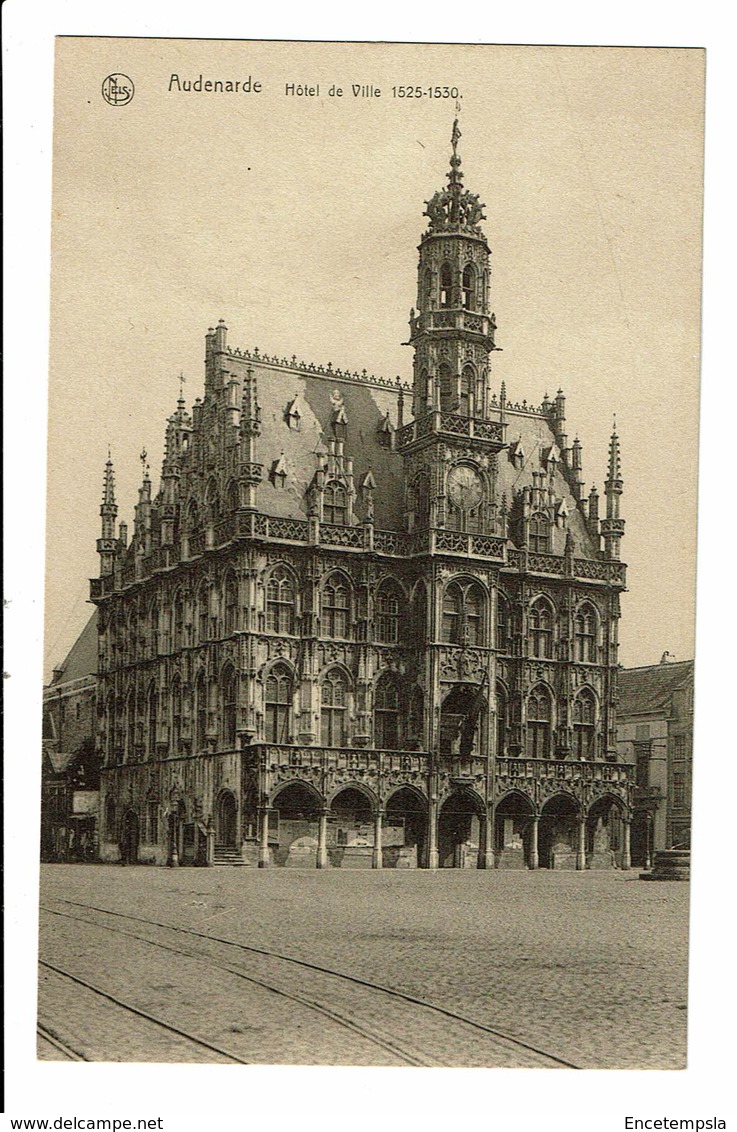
(182, 380)
(455, 176)
(455, 136)
(108, 483)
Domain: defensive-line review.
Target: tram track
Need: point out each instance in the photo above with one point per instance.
(408, 1005)
(139, 1013)
(52, 1038)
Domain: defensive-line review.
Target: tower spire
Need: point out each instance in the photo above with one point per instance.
(612, 527)
(452, 330)
(107, 543)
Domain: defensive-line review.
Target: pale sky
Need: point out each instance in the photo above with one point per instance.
(297, 220)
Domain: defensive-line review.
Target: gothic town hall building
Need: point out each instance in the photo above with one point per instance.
(363, 623)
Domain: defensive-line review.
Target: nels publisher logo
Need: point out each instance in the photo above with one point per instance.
(118, 90)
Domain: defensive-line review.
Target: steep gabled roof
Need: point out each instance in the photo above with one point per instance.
(81, 659)
(649, 689)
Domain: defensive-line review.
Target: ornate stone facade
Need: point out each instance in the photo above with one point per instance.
(342, 637)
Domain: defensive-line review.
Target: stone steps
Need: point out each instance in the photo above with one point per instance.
(227, 857)
(670, 864)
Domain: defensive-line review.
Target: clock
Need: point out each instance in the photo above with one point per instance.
(465, 487)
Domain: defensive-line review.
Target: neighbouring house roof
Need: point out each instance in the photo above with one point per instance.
(649, 689)
(81, 659)
(59, 760)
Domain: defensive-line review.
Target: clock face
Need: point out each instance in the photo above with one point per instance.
(465, 487)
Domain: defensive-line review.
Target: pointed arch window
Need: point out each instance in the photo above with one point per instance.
(153, 708)
(427, 290)
(130, 727)
(386, 713)
(584, 632)
(155, 626)
(388, 605)
(452, 608)
(336, 607)
(539, 717)
(541, 629)
(335, 503)
(503, 626)
(539, 533)
(468, 387)
(333, 708)
(229, 695)
(280, 602)
(203, 613)
(178, 621)
(109, 727)
(416, 718)
(419, 615)
(176, 715)
(419, 502)
(192, 520)
(233, 496)
(278, 698)
(464, 606)
(231, 604)
(446, 285)
(110, 815)
(469, 286)
(474, 616)
(200, 691)
(584, 725)
(445, 379)
(213, 501)
(502, 720)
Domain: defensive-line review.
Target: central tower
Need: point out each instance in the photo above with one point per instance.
(452, 333)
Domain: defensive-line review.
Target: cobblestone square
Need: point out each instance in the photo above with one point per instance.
(590, 967)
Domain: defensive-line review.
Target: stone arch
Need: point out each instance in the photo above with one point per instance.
(558, 837)
(130, 836)
(604, 832)
(461, 824)
(226, 819)
(355, 785)
(409, 806)
(352, 808)
(513, 818)
(298, 805)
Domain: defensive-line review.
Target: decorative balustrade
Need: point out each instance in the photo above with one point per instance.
(333, 535)
(459, 542)
(453, 424)
(283, 756)
(389, 542)
(546, 564)
(557, 770)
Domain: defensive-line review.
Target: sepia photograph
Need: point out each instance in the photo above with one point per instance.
(368, 697)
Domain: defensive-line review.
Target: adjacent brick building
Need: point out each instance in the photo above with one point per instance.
(655, 732)
(70, 775)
